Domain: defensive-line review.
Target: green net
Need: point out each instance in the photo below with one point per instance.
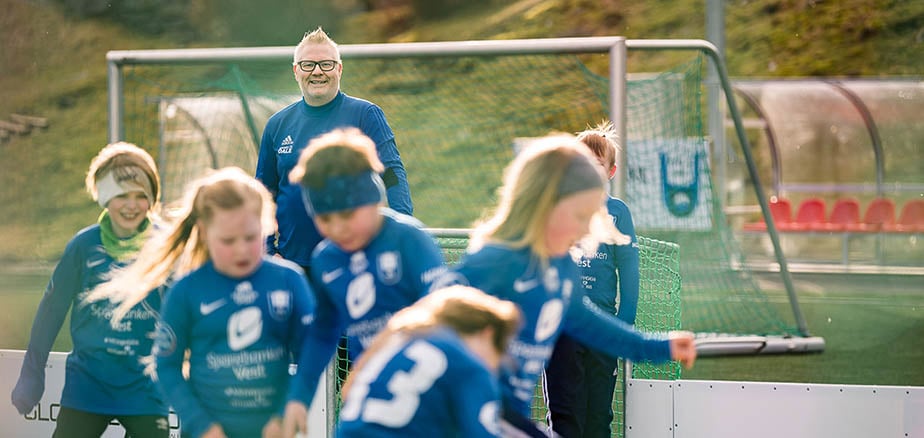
(455, 120)
(670, 190)
(659, 310)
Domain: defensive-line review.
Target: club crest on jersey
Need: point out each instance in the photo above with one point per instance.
(280, 304)
(389, 267)
(358, 262)
(550, 279)
(244, 294)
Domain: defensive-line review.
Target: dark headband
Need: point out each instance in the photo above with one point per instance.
(344, 192)
(581, 174)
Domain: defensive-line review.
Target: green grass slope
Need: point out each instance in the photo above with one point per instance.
(55, 70)
(53, 66)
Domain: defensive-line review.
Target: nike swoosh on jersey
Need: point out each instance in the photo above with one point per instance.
(206, 308)
(94, 263)
(523, 286)
(328, 277)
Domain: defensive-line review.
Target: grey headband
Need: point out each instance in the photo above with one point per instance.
(581, 174)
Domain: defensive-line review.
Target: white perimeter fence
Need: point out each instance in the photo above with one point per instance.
(654, 408)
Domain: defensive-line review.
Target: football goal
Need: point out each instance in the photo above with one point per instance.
(456, 108)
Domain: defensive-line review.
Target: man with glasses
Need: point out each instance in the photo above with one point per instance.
(323, 108)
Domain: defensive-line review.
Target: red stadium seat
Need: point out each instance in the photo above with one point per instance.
(811, 215)
(845, 216)
(880, 215)
(911, 219)
(780, 209)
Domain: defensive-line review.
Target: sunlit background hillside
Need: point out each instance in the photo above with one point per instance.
(52, 63)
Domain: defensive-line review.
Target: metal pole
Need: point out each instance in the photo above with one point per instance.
(759, 191)
(618, 55)
(353, 51)
(116, 105)
(715, 33)
(331, 397)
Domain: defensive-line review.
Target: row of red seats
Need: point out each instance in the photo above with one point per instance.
(845, 216)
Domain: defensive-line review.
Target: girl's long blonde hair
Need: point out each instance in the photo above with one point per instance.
(530, 192)
(463, 309)
(178, 249)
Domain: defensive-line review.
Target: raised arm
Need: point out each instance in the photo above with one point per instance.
(607, 334)
(317, 349)
(295, 416)
(301, 325)
(56, 301)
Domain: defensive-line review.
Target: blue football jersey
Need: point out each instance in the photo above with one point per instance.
(551, 299)
(427, 386)
(357, 292)
(104, 373)
(614, 268)
(241, 334)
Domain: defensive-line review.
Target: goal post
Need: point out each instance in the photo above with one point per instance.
(456, 108)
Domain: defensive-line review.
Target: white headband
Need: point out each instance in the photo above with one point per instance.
(130, 179)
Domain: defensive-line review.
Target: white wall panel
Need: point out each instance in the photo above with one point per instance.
(718, 409)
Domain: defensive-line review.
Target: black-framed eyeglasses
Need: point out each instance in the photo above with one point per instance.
(308, 66)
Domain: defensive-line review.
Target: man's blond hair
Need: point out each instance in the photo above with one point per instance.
(317, 36)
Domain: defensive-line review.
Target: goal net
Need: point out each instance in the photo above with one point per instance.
(455, 119)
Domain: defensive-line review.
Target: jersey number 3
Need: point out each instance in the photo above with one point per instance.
(405, 386)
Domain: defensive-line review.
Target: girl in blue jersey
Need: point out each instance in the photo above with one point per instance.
(238, 313)
(373, 261)
(579, 381)
(431, 371)
(104, 378)
(552, 197)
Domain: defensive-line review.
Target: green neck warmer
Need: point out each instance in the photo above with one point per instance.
(121, 249)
